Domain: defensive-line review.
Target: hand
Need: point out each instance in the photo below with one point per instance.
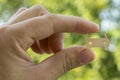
(35, 27)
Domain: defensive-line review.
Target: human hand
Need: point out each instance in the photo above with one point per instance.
(37, 28)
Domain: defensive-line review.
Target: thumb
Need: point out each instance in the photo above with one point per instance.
(65, 60)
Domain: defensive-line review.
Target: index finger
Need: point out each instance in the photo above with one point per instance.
(44, 26)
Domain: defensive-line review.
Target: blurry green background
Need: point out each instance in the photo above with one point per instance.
(106, 13)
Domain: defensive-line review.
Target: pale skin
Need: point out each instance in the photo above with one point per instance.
(42, 31)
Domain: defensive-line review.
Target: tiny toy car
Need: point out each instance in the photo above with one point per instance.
(98, 42)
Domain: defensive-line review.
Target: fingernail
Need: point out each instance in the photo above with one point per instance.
(86, 56)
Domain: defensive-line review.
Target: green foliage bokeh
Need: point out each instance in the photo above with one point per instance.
(106, 13)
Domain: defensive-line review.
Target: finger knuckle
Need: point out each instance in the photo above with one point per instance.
(40, 10)
(51, 17)
(38, 7)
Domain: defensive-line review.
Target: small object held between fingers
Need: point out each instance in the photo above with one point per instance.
(98, 42)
